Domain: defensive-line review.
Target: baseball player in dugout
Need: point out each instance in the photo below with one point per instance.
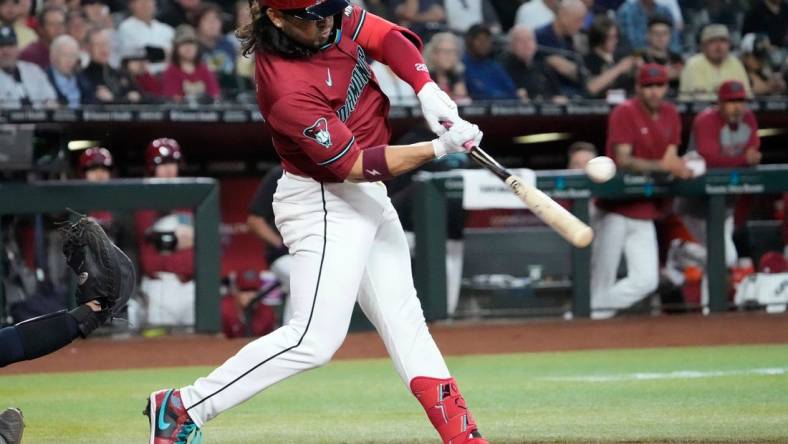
(328, 121)
(643, 137)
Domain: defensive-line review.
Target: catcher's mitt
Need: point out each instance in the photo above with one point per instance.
(104, 272)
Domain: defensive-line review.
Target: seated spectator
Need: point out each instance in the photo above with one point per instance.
(135, 63)
(179, 12)
(187, 78)
(768, 17)
(10, 14)
(243, 314)
(77, 27)
(218, 52)
(72, 87)
(605, 72)
(556, 46)
(21, 83)
(533, 80)
(658, 51)
(142, 30)
(755, 55)
(424, 17)
(52, 23)
(486, 79)
(442, 55)
(462, 14)
(166, 246)
(704, 73)
(111, 85)
(632, 18)
(537, 13)
(97, 13)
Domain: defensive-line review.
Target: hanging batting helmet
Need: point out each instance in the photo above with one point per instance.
(96, 157)
(307, 9)
(162, 151)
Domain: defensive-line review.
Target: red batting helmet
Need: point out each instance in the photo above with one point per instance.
(94, 158)
(307, 9)
(162, 151)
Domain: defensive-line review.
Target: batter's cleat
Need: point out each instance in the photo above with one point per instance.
(446, 409)
(169, 421)
(11, 426)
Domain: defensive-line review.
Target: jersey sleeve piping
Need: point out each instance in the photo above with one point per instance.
(339, 155)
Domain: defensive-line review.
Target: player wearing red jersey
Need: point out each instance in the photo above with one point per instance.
(328, 120)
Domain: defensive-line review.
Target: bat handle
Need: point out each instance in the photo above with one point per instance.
(468, 145)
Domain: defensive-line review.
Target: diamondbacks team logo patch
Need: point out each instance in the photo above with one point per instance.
(319, 132)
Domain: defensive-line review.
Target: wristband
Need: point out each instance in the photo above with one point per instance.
(374, 164)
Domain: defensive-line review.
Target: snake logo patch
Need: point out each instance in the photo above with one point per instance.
(319, 132)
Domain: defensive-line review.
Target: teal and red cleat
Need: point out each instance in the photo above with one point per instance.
(169, 421)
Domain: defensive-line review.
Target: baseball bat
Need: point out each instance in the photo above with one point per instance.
(549, 211)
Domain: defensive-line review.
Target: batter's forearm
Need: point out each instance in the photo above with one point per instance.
(399, 159)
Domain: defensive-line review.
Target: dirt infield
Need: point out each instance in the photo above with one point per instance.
(454, 339)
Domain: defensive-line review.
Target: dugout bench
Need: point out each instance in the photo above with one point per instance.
(201, 194)
(434, 189)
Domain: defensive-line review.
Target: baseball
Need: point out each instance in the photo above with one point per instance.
(600, 169)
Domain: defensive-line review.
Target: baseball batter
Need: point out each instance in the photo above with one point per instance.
(327, 117)
(643, 137)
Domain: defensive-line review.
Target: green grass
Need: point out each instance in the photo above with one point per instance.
(539, 397)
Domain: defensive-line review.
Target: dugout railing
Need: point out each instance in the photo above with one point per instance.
(200, 194)
(434, 189)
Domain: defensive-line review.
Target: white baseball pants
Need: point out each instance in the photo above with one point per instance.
(347, 244)
(636, 239)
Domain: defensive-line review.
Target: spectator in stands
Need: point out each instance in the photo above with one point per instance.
(537, 13)
(725, 136)
(579, 154)
(142, 30)
(632, 18)
(705, 72)
(179, 12)
(111, 85)
(605, 72)
(187, 78)
(768, 17)
(531, 77)
(643, 137)
(218, 52)
(556, 46)
(485, 77)
(135, 63)
(73, 88)
(244, 65)
(166, 245)
(21, 83)
(658, 51)
(243, 314)
(756, 53)
(442, 55)
(462, 14)
(424, 17)
(10, 15)
(77, 27)
(52, 23)
(97, 13)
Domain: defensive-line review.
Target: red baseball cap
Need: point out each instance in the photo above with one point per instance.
(249, 280)
(307, 9)
(732, 90)
(652, 74)
(773, 262)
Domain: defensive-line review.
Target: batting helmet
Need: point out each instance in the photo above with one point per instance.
(307, 9)
(162, 151)
(96, 157)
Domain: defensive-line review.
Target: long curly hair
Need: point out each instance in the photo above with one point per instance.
(262, 35)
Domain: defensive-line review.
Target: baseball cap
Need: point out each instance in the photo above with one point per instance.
(249, 280)
(185, 33)
(7, 36)
(652, 74)
(714, 31)
(307, 9)
(732, 90)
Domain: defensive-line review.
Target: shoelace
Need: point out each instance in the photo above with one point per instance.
(187, 430)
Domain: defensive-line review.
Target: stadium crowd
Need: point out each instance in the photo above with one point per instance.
(76, 52)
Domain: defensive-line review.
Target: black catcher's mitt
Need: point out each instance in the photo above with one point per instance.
(104, 272)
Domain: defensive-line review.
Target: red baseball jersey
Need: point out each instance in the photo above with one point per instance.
(323, 110)
(723, 145)
(632, 124)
